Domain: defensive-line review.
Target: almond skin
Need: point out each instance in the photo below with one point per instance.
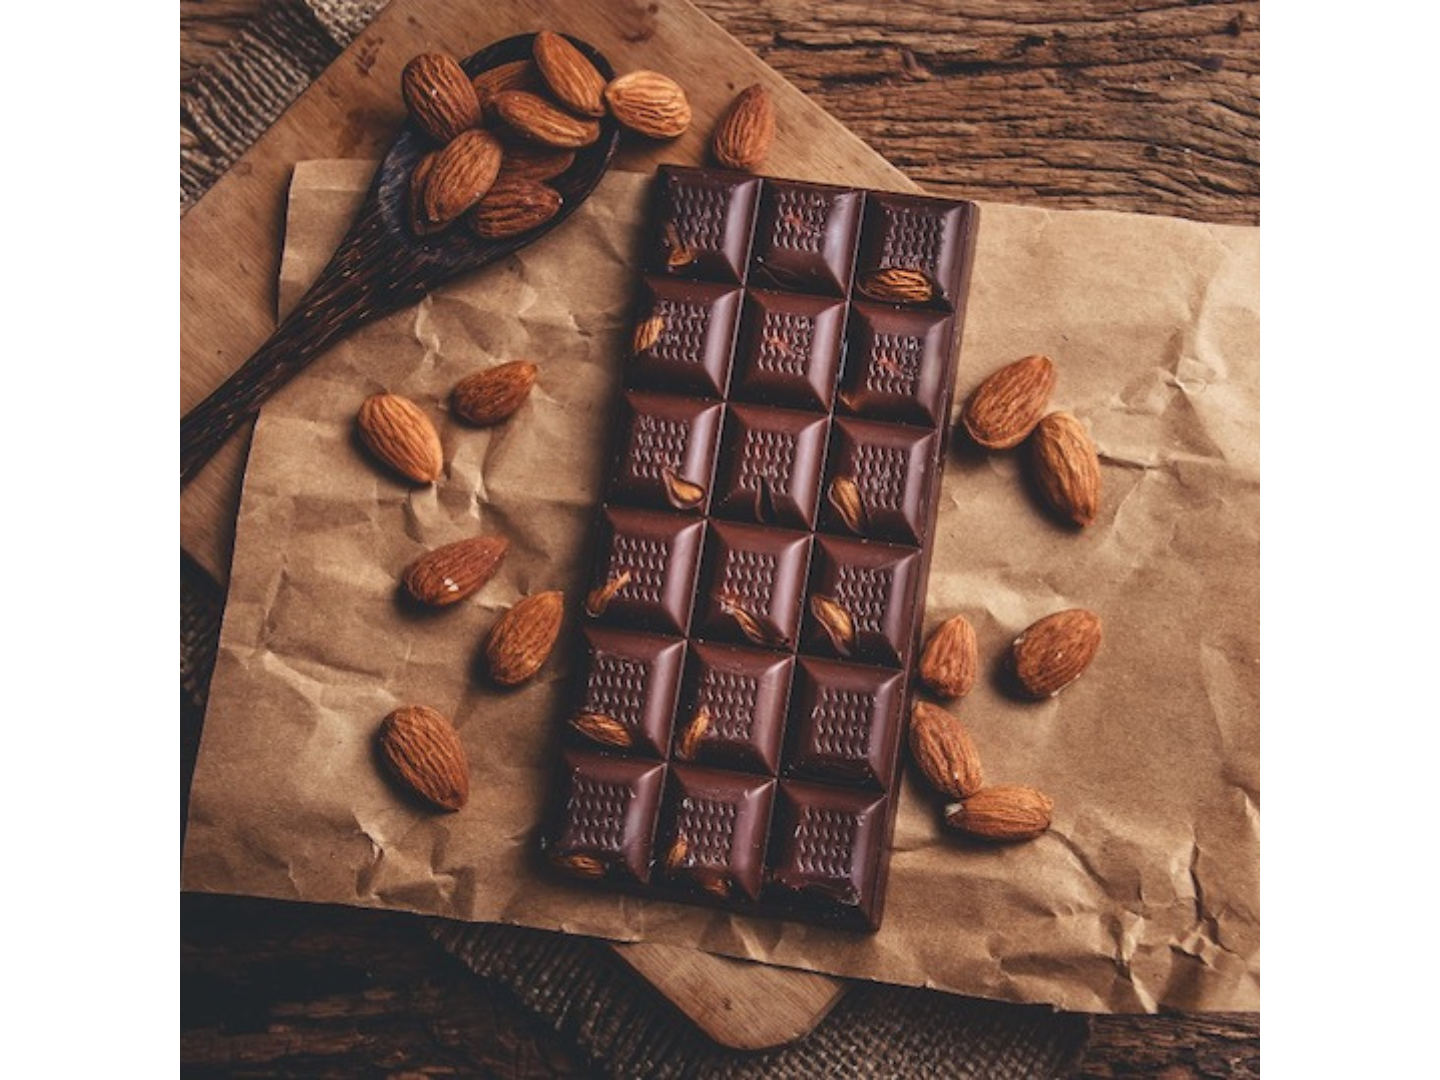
(513, 207)
(951, 660)
(419, 223)
(1054, 651)
(1005, 408)
(1003, 813)
(462, 174)
(424, 752)
(897, 285)
(516, 75)
(745, 131)
(944, 751)
(493, 394)
(521, 641)
(539, 121)
(400, 435)
(649, 103)
(1066, 467)
(527, 161)
(570, 76)
(439, 96)
(450, 573)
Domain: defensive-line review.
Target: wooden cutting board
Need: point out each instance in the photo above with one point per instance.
(230, 245)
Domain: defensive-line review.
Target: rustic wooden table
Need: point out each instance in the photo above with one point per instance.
(1065, 103)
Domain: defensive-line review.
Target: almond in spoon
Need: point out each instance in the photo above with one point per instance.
(439, 96)
(570, 76)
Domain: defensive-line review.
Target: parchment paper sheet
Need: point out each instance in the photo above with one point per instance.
(1144, 894)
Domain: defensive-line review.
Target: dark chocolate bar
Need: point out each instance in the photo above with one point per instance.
(755, 603)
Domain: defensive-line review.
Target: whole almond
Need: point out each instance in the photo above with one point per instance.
(570, 76)
(493, 394)
(439, 95)
(521, 641)
(513, 207)
(944, 751)
(1004, 813)
(1005, 408)
(897, 285)
(1066, 467)
(452, 572)
(951, 660)
(516, 75)
(603, 729)
(649, 103)
(424, 752)
(536, 119)
(1054, 651)
(530, 161)
(419, 177)
(400, 435)
(463, 172)
(743, 135)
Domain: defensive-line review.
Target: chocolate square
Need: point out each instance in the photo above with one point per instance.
(888, 468)
(805, 237)
(824, 845)
(846, 721)
(626, 688)
(684, 333)
(644, 573)
(789, 350)
(666, 455)
(896, 363)
(732, 708)
(772, 464)
(873, 584)
(608, 810)
(712, 832)
(703, 223)
(912, 232)
(751, 585)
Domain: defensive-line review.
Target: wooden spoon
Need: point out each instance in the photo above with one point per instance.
(382, 266)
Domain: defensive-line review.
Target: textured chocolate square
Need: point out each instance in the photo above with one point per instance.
(732, 708)
(789, 351)
(751, 585)
(896, 362)
(684, 334)
(627, 686)
(773, 460)
(888, 469)
(825, 844)
(644, 575)
(874, 585)
(666, 454)
(912, 232)
(703, 223)
(608, 810)
(712, 833)
(846, 721)
(805, 237)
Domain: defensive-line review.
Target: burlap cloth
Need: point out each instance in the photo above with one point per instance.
(577, 985)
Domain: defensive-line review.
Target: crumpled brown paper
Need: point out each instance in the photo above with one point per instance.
(1145, 893)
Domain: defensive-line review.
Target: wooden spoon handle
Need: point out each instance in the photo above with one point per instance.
(354, 289)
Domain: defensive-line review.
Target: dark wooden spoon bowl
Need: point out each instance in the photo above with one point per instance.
(382, 266)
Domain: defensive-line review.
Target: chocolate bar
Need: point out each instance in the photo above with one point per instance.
(757, 591)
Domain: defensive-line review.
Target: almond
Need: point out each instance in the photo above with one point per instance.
(743, 135)
(1066, 467)
(528, 161)
(516, 75)
(605, 730)
(648, 332)
(951, 660)
(400, 435)
(844, 496)
(493, 394)
(419, 177)
(570, 76)
(513, 207)
(585, 866)
(521, 641)
(1005, 408)
(683, 494)
(424, 752)
(536, 119)
(897, 285)
(837, 623)
(439, 96)
(1054, 651)
(649, 103)
(452, 572)
(462, 174)
(944, 751)
(1003, 813)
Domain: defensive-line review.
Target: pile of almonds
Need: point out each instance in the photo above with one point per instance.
(1008, 408)
(501, 135)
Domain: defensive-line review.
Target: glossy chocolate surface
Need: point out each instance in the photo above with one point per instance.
(755, 597)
